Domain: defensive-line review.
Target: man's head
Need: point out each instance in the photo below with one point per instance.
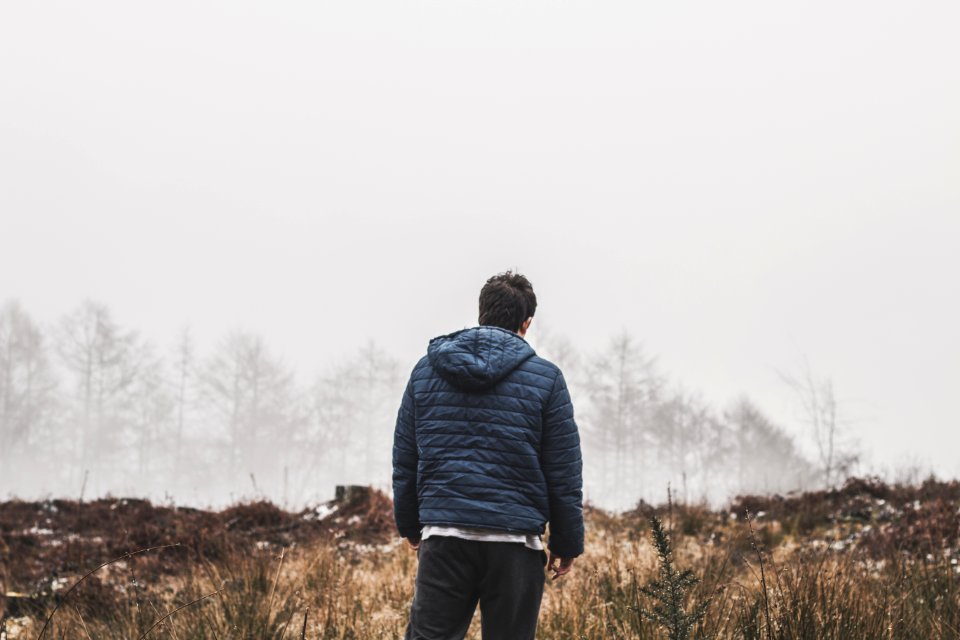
(507, 300)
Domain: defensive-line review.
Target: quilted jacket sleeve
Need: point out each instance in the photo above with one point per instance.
(406, 510)
(563, 469)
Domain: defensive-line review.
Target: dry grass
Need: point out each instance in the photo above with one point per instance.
(811, 586)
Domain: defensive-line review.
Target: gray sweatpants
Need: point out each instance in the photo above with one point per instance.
(453, 574)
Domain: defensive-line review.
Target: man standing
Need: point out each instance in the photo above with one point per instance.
(485, 453)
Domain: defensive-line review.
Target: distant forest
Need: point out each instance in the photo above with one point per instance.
(89, 407)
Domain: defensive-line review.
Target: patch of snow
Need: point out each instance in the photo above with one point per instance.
(38, 531)
(17, 628)
(325, 510)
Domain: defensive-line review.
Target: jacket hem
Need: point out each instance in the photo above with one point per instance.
(451, 523)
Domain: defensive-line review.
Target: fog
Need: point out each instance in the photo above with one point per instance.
(732, 196)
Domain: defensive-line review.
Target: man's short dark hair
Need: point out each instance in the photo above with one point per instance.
(506, 300)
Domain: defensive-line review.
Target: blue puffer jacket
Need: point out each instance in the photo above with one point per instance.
(485, 437)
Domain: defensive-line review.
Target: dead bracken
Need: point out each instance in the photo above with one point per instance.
(863, 559)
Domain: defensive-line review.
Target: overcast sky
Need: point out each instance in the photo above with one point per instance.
(737, 184)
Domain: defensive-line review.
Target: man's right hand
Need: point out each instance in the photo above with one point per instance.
(413, 544)
(565, 565)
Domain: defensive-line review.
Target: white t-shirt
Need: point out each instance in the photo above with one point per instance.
(529, 540)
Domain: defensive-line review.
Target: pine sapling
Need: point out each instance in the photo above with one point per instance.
(670, 591)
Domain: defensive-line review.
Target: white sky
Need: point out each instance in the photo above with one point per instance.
(737, 183)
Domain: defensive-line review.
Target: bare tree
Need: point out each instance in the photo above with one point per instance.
(819, 406)
(102, 359)
(336, 406)
(252, 394)
(714, 450)
(623, 388)
(27, 384)
(355, 410)
(766, 458)
(183, 385)
(378, 375)
(152, 407)
(682, 437)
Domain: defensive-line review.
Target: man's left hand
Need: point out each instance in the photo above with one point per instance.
(565, 565)
(413, 545)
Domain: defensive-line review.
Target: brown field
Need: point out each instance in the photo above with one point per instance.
(867, 561)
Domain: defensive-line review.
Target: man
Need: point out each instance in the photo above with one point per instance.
(486, 452)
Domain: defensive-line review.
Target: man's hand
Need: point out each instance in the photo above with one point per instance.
(413, 545)
(565, 565)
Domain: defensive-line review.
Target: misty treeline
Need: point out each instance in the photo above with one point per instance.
(89, 407)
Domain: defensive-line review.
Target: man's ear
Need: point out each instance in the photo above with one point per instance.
(526, 325)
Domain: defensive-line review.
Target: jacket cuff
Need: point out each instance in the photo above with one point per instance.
(412, 534)
(565, 548)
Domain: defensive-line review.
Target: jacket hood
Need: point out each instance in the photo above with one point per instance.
(478, 357)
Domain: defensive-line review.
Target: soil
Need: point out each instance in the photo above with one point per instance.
(45, 545)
